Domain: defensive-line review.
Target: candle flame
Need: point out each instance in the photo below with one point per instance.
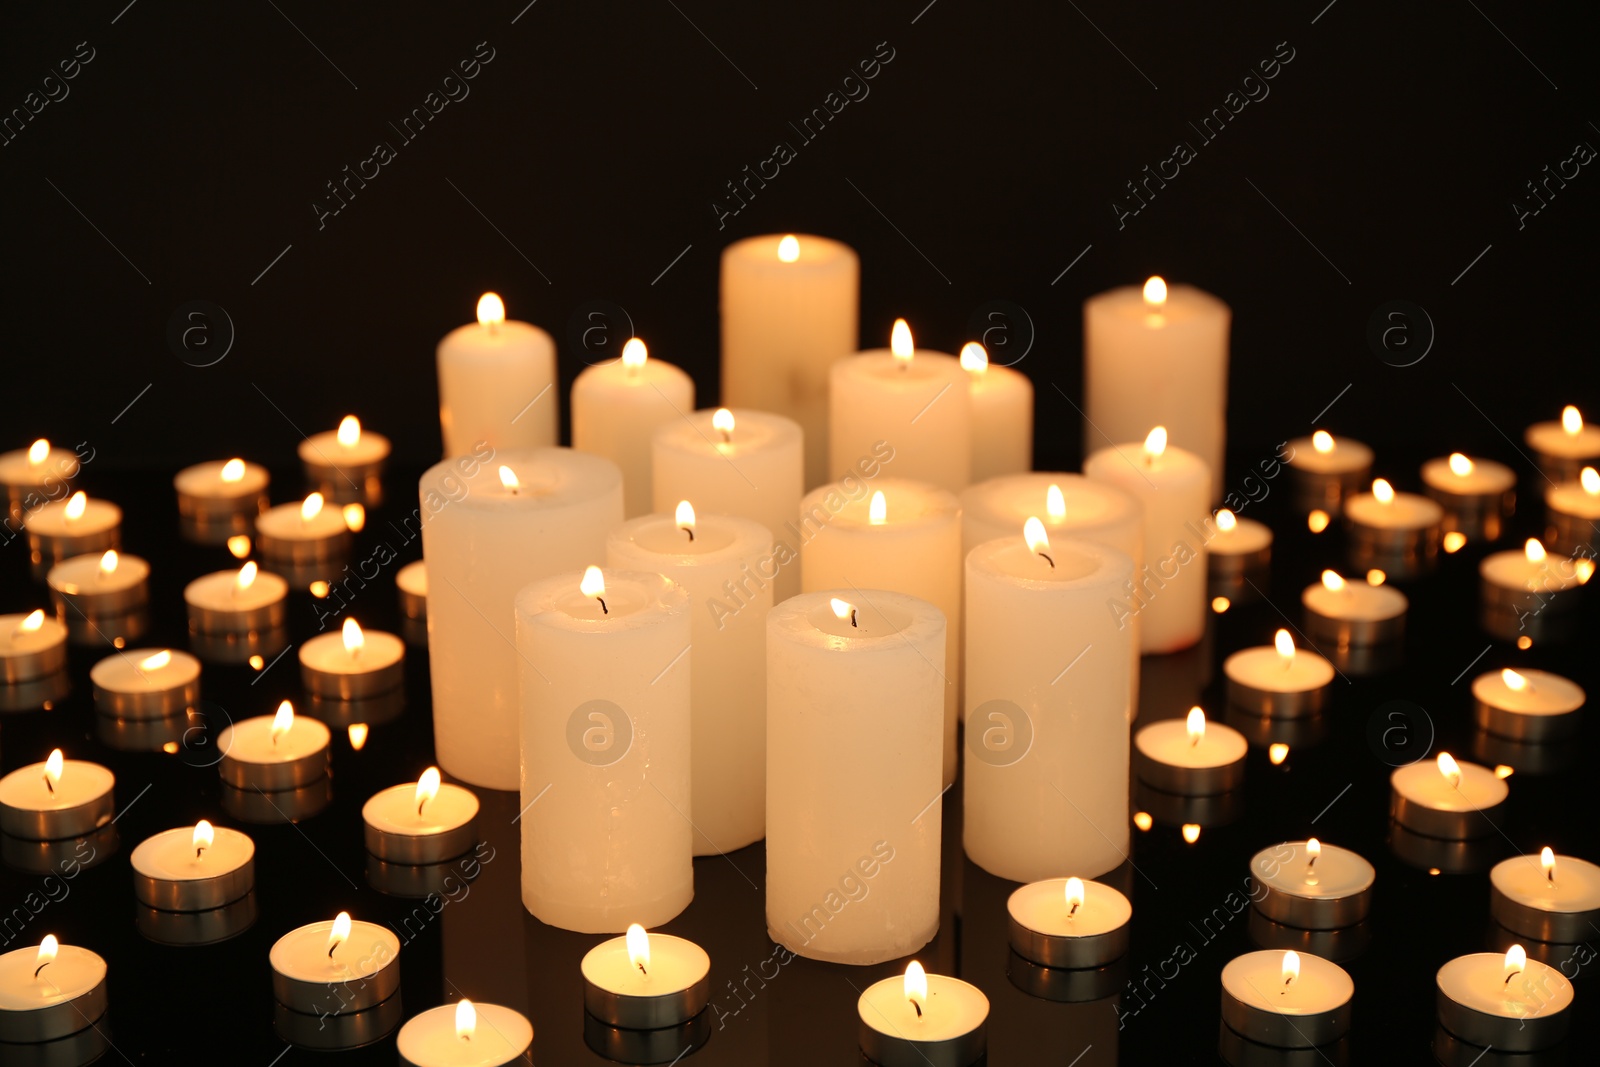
(311, 508)
(349, 431)
(358, 735)
(722, 422)
(354, 639)
(247, 576)
(38, 452)
(1285, 646)
(1376, 577)
(1317, 521)
(1074, 896)
(508, 478)
(974, 359)
(593, 583)
(239, 546)
(491, 310)
(34, 620)
(1547, 861)
(157, 661)
(1450, 769)
(639, 947)
(1142, 820)
(1460, 465)
(684, 517)
(339, 933)
(917, 987)
(1584, 569)
(1513, 680)
(1155, 293)
(789, 248)
(47, 953)
(1196, 724)
(1313, 852)
(634, 353)
(1277, 752)
(54, 764)
(1227, 520)
(1055, 505)
(1191, 832)
(1534, 550)
(1332, 582)
(109, 561)
(233, 471)
(204, 835)
(1322, 441)
(427, 787)
(1571, 421)
(900, 342)
(466, 1020)
(1383, 491)
(878, 509)
(1590, 480)
(76, 506)
(1291, 967)
(1503, 772)
(1033, 532)
(1454, 541)
(355, 517)
(843, 609)
(283, 721)
(1516, 961)
(1155, 443)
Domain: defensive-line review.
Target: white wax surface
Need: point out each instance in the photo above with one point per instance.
(324, 450)
(205, 480)
(1421, 783)
(302, 953)
(1550, 439)
(1575, 887)
(81, 782)
(1356, 602)
(82, 574)
(1338, 872)
(74, 972)
(413, 578)
(1002, 422)
(675, 965)
(326, 653)
(1262, 668)
(1407, 511)
(1246, 537)
(1167, 742)
(120, 672)
(1256, 979)
(1572, 499)
(1346, 455)
(61, 463)
(953, 1008)
(1095, 511)
(28, 642)
(285, 523)
(1478, 981)
(1545, 694)
(616, 411)
(922, 409)
(429, 1039)
(489, 376)
(1513, 570)
(169, 856)
(219, 591)
(98, 517)
(394, 810)
(1042, 907)
(1486, 477)
(250, 740)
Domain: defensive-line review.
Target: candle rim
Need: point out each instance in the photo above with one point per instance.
(946, 509)
(580, 478)
(747, 537)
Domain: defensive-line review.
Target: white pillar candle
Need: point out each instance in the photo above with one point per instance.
(76, 526)
(31, 646)
(789, 310)
(1174, 486)
(40, 473)
(56, 799)
(1527, 705)
(1547, 897)
(496, 380)
(1002, 415)
(1327, 469)
(426, 821)
(1346, 613)
(917, 401)
(109, 583)
(273, 752)
(345, 464)
(645, 981)
(465, 1034)
(353, 663)
(1047, 708)
(1563, 447)
(866, 811)
(335, 966)
(1509, 1002)
(1190, 757)
(1279, 680)
(50, 991)
(617, 408)
(303, 533)
(1069, 923)
(1573, 509)
(1445, 799)
(1312, 886)
(605, 729)
(236, 601)
(220, 499)
(485, 535)
(146, 683)
(1286, 999)
(923, 1020)
(737, 462)
(728, 687)
(1158, 356)
(193, 868)
(904, 536)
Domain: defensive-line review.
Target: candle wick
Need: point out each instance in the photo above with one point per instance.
(1048, 560)
(47, 963)
(914, 1004)
(197, 850)
(1510, 976)
(853, 622)
(603, 609)
(333, 946)
(727, 437)
(1311, 864)
(420, 803)
(1073, 913)
(642, 970)
(48, 784)
(688, 530)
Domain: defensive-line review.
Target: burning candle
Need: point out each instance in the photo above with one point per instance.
(1398, 533)
(334, 967)
(1278, 681)
(495, 376)
(923, 1019)
(1527, 705)
(193, 868)
(1348, 614)
(295, 537)
(352, 664)
(92, 587)
(617, 408)
(1002, 415)
(346, 464)
(1286, 999)
(146, 683)
(411, 584)
(1547, 897)
(1239, 557)
(1477, 495)
(49, 992)
(1069, 923)
(1573, 512)
(220, 499)
(1326, 470)
(1510, 1003)
(56, 799)
(465, 1034)
(428, 821)
(1528, 592)
(31, 646)
(236, 601)
(1313, 886)
(36, 475)
(644, 981)
(1444, 799)
(77, 526)
(1191, 757)
(1564, 447)
(273, 752)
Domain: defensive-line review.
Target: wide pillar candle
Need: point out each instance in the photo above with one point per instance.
(606, 821)
(488, 529)
(854, 710)
(497, 384)
(789, 310)
(1046, 788)
(712, 557)
(1157, 357)
(616, 409)
(913, 547)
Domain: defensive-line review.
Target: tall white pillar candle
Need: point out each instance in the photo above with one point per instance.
(488, 529)
(617, 408)
(862, 813)
(606, 830)
(1002, 415)
(497, 384)
(789, 310)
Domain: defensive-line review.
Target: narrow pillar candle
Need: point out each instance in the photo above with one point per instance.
(1002, 415)
(607, 837)
(617, 408)
(497, 384)
(488, 529)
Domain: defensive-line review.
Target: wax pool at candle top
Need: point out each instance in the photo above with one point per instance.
(394, 810)
(666, 537)
(1407, 511)
(205, 480)
(324, 450)
(953, 1008)
(1514, 570)
(1336, 874)
(1552, 439)
(430, 1039)
(1168, 742)
(287, 523)
(16, 469)
(81, 782)
(98, 516)
(326, 653)
(1574, 887)
(1092, 510)
(413, 578)
(170, 855)
(1543, 694)
(15, 641)
(1485, 477)
(219, 591)
(1355, 601)
(1422, 783)
(302, 954)
(1478, 981)
(1043, 908)
(1262, 668)
(1572, 498)
(74, 972)
(1347, 455)
(85, 575)
(675, 965)
(1245, 537)
(126, 672)
(1256, 979)
(250, 741)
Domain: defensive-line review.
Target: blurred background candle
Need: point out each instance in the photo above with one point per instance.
(1478, 495)
(487, 531)
(296, 535)
(710, 556)
(345, 464)
(1002, 415)
(1563, 448)
(617, 408)
(496, 384)
(36, 475)
(236, 601)
(1238, 558)
(1527, 705)
(411, 584)
(220, 499)
(1397, 533)
(605, 668)
(789, 310)
(1346, 613)
(916, 401)
(31, 646)
(146, 683)
(1158, 356)
(75, 526)
(1327, 469)
(99, 584)
(1278, 681)
(1527, 592)
(353, 663)
(1573, 512)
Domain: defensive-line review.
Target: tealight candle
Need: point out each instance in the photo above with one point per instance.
(40, 473)
(1190, 757)
(644, 981)
(1509, 1003)
(1002, 415)
(1546, 897)
(220, 499)
(1573, 512)
(273, 752)
(31, 646)
(1286, 999)
(494, 379)
(50, 992)
(345, 464)
(465, 1034)
(295, 536)
(1312, 886)
(1444, 799)
(76, 526)
(146, 683)
(1527, 705)
(923, 1020)
(236, 601)
(1239, 557)
(1326, 470)
(352, 664)
(1521, 591)
(1278, 681)
(56, 799)
(334, 967)
(1069, 923)
(1348, 614)
(616, 409)
(1563, 448)
(428, 821)
(1397, 533)
(1477, 495)
(193, 868)
(95, 586)
(411, 583)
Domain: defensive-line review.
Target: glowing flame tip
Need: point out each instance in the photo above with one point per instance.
(900, 341)
(491, 310)
(349, 431)
(789, 248)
